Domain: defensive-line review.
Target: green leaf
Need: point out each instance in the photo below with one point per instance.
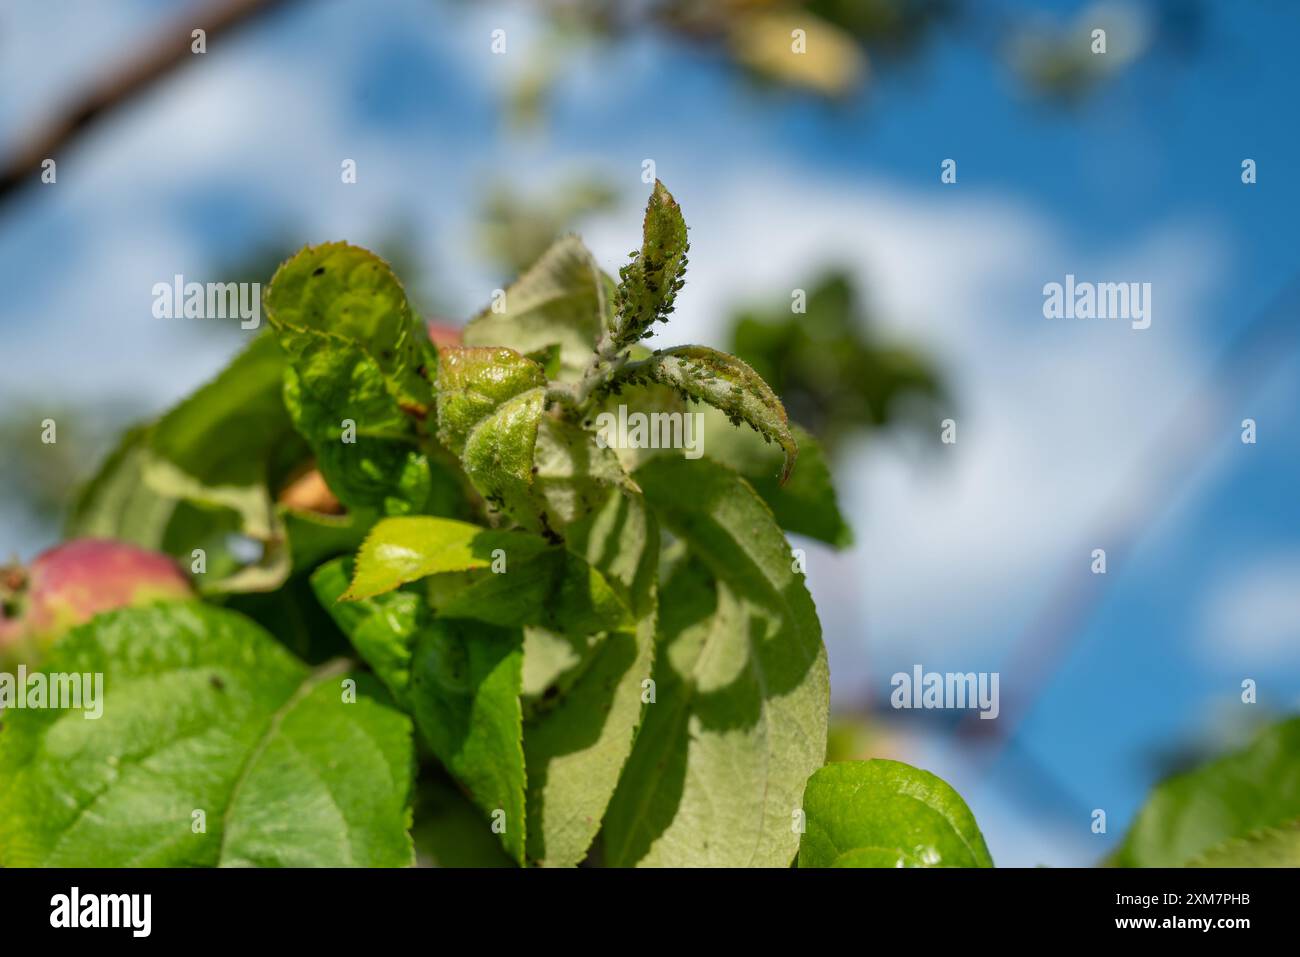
(648, 284)
(350, 293)
(807, 503)
(204, 711)
(1232, 797)
(722, 381)
(596, 639)
(460, 679)
(381, 628)
(548, 357)
(576, 750)
(551, 589)
(490, 400)
(366, 446)
(357, 384)
(465, 680)
(232, 431)
(203, 474)
(739, 721)
(882, 813)
(118, 504)
(583, 718)
(504, 578)
(1267, 847)
(563, 300)
(473, 382)
(408, 548)
(498, 457)
(648, 398)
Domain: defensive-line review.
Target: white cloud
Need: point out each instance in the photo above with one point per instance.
(1253, 617)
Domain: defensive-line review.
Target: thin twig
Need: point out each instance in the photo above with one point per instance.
(154, 60)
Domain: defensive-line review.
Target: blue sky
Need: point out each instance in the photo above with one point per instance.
(1069, 433)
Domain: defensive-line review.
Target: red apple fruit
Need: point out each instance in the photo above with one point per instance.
(73, 582)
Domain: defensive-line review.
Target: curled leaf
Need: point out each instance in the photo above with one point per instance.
(490, 400)
(724, 382)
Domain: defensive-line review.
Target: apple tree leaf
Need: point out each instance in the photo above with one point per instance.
(739, 720)
(883, 813)
(722, 381)
(563, 300)
(648, 285)
(1225, 799)
(202, 711)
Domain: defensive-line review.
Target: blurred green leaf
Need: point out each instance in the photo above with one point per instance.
(517, 231)
(1267, 847)
(202, 477)
(1230, 798)
(882, 813)
(831, 375)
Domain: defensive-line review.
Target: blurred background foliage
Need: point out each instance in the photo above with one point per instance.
(836, 380)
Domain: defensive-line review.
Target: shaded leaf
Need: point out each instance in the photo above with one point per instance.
(1232, 797)
(576, 750)
(740, 718)
(562, 300)
(449, 831)
(382, 628)
(460, 679)
(465, 679)
(807, 503)
(314, 536)
(589, 501)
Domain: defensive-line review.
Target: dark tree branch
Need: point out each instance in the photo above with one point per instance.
(154, 60)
